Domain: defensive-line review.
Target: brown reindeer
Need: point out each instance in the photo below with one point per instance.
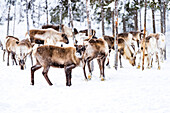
(24, 48)
(11, 45)
(124, 48)
(59, 57)
(45, 36)
(65, 29)
(152, 49)
(95, 48)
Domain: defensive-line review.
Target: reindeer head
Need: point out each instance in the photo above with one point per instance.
(65, 39)
(80, 49)
(22, 51)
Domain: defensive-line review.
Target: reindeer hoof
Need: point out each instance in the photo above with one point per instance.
(89, 77)
(159, 68)
(102, 79)
(138, 67)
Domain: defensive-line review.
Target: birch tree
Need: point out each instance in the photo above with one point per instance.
(115, 35)
(9, 9)
(46, 2)
(71, 19)
(153, 15)
(27, 5)
(102, 15)
(61, 13)
(14, 17)
(88, 17)
(143, 59)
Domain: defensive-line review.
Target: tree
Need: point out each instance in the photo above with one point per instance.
(9, 9)
(14, 18)
(27, 7)
(61, 13)
(115, 36)
(152, 5)
(102, 15)
(144, 36)
(88, 17)
(46, 2)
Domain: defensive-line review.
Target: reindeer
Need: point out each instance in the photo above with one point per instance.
(151, 49)
(161, 43)
(124, 48)
(59, 57)
(46, 36)
(94, 48)
(11, 45)
(65, 29)
(24, 48)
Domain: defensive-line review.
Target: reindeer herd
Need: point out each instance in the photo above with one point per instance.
(45, 45)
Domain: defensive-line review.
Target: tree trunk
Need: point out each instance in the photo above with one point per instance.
(102, 15)
(46, 2)
(164, 7)
(140, 16)
(136, 18)
(144, 36)
(88, 18)
(27, 18)
(161, 15)
(9, 9)
(116, 33)
(153, 18)
(61, 13)
(112, 22)
(14, 18)
(71, 20)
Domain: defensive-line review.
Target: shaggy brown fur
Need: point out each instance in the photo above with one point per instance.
(24, 48)
(65, 29)
(59, 57)
(95, 48)
(40, 36)
(11, 44)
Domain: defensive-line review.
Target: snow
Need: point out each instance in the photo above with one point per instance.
(127, 90)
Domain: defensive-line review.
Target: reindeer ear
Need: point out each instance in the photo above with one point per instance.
(84, 48)
(63, 35)
(17, 42)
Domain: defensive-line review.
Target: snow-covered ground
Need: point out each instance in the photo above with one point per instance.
(127, 90)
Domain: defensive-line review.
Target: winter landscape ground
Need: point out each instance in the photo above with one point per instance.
(127, 90)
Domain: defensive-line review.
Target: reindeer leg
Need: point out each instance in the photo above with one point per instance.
(164, 51)
(68, 71)
(45, 71)
(13, 55)
(107, 64)
(157, 57)
(4, 55)
(31, 59)
(89, 67)
(8, 59)
(33, 69)
(99, 63)
(102, 68)
(84, 65)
